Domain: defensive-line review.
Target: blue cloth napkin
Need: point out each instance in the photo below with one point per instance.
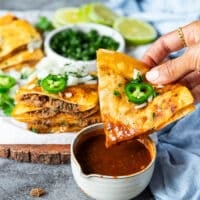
(177, 170)
(165, 15)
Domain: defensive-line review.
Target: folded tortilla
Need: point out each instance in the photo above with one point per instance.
(122, 119)
(29, 113)
(46, 120)
(15, 36)
(82, 97)
(20, 66)
(63, 123)
(21, 57)
(6, 19)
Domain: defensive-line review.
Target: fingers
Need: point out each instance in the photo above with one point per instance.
(191, 80)
(196, 93)
(171, 42)
(173, 70)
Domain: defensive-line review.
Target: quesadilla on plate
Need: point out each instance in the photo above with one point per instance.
(77, 98)
(21, 57)
(17, 35)
(130, 106)
(67, 111)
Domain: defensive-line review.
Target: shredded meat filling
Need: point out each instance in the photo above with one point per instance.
(45, 124)
(44, 113)
(45, 101)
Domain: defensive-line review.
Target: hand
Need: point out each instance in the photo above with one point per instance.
(184, 69)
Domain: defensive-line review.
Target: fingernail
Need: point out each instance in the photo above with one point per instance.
(152, 75)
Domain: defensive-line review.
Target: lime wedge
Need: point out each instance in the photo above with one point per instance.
(66, 16)
(101, 14)
(135, 32)
(84, 12)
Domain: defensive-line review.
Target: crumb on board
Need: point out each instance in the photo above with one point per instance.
(37, 192)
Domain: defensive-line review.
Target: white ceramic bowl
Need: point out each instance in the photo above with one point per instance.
(107, 187)
(85, 27)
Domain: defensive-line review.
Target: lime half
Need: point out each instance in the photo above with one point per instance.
(135, 32)
(66, 16)
(101, 14)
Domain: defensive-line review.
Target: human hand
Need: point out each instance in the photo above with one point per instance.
(184, 69)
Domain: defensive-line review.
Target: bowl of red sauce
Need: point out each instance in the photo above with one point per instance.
(119, 172)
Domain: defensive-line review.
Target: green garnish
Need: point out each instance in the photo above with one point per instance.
(24, 76)
(79, 45)
(138, 93)
(116, 93)
(153, 115)
(77, 74)
(44, 24)
(54, 83)
(6, 103)
(94, 77)
(6, 82)
(34, 130)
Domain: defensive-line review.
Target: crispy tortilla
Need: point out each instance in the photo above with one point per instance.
(16, 35)
(29, 113)
(122, 120)
(18, 67)
(21, 57)
(38, 119)
(84, 96)
(63, 123)
(6, 19)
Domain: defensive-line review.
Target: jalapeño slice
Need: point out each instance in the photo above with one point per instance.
(138, 93)
(6, 82)
(54, 83)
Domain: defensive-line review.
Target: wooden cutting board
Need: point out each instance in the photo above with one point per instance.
(45, 154)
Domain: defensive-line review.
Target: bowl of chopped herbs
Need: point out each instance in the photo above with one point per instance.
(79, 43)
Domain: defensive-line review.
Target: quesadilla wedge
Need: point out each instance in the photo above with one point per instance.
(17, 35)
(21, 57)
(47, 120)
(82, 97)
(26, 113)
(63, 123)
(124, 114)
(6, 19)
(19, 67)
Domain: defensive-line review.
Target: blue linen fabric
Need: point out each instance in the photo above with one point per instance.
(177, 170)
(165, 15)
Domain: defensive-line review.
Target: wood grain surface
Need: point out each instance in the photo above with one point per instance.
(46, 154)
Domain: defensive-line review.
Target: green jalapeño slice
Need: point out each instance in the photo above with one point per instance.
(138, 93)
(54, 83)
(6, 82)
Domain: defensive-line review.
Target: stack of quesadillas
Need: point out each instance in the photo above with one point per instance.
(19, 43)
(68, 111)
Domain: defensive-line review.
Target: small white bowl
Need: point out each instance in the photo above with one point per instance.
(103, 187)
(85, 27)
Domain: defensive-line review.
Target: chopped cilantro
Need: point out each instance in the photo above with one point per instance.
(6, 104)
(63, 123)
(24, 76)
(94, 77)
(153, 115)
(116, 93)
(44, 24)
(39, 82)
(34, 130)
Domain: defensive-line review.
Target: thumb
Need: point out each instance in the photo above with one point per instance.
(174, 69)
